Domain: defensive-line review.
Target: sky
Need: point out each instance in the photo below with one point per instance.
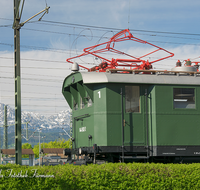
(71, 26)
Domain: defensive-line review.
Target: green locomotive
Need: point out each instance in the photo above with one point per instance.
(134, 114)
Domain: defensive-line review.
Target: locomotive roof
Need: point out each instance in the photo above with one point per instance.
(155, 77)
(159, 78)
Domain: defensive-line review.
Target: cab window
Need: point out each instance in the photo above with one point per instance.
(184, 98)
(132, 96)
(75, 105)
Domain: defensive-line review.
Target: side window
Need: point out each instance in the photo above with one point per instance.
(89, 101)
(132, 96)
(82, 105)
(184, 98)
(75, 104)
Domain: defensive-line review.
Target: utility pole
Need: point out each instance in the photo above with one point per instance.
(39, 146)
(5, 126)
(27, 130)
(5, 146)
(17, 26)
(18, 138)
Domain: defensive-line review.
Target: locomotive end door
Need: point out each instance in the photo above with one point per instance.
(135, 118)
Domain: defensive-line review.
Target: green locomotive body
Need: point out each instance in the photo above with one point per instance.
(133, 116)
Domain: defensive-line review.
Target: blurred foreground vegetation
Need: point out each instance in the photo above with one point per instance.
(105, 176)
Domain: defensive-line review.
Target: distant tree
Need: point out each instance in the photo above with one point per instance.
(36, 148)
(26, 146)
(61, 143)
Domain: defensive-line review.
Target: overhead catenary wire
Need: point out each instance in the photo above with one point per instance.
(46, 86)
(33, 92)
(34, 79)
(64, 62)
(40, 105)
(104, 28)
(107, 37)
(63, 51)
(134, 33)
(119, 29)
(34, 74)
(57, 50)
(38, 98)
(129, 13)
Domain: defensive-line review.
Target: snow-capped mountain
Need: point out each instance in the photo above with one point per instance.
(60, 120)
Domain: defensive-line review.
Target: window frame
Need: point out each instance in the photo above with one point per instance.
(82, 104)
(75, 105)
(182, 99)
(138, 98)
(89, 100)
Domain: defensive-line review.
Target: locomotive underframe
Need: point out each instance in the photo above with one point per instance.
(102, 154)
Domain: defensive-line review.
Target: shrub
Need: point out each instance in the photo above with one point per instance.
(105, 176)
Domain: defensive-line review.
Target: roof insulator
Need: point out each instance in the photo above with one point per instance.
(75, 67)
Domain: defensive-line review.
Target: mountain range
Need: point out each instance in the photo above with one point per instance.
(52, 126)
(36, 120)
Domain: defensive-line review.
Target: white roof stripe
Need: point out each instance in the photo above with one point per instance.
(96, 77)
